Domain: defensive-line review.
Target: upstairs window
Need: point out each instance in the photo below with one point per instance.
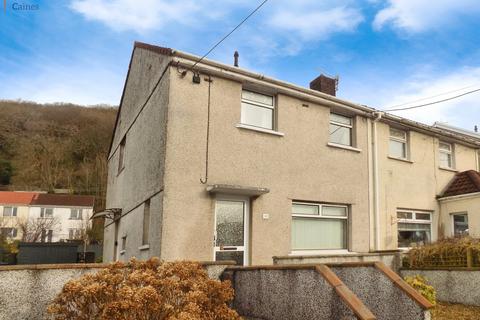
(446, 155)
(258, 110)
(398, 144)
(341, 128)
(76, 214)
(46, 213)
(121, 155)
(9, 211)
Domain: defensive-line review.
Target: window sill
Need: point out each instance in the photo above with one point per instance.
(248, 127)
(122, 252)
(341, 146)
(144, 247)
(400, 159)
(319, 252)
(448, 169)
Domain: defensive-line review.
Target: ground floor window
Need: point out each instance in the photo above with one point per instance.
(8, 232)
(460, 224)
(414, 228)
(317, 226)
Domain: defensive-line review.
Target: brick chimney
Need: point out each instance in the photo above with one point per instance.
(324, 84)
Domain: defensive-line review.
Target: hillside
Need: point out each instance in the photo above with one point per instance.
(55, 146)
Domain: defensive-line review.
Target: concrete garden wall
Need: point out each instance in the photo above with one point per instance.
(455, 286)
(386, 295)
(286, 294)
(335, 291)
(26, 290)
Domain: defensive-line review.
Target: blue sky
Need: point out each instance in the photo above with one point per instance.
(386, 52)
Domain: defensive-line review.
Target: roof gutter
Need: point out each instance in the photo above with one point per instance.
(225, 71)
(459, 197)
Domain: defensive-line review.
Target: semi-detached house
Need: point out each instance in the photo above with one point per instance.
(212, 162)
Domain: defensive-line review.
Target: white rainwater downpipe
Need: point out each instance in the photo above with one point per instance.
(376, 203)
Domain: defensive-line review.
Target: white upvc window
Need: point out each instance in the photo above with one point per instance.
(446, 155)
(460, 224)
(76, 214)
(414, 228)
(258, 110)
(46, 212)
(47, 235)
(341, 129)
(317, 226)
(74, 234)
(398, 144)
(9, 211)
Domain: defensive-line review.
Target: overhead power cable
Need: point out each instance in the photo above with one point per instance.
(431, 97)
(434, 102)
(228, 34)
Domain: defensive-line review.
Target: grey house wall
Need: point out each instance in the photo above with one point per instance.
(144, 158)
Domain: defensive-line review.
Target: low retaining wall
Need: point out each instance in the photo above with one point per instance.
(26, 290)
(333, 291)
(454, 286)
(383, 291)
(391, 258)
(294, 293)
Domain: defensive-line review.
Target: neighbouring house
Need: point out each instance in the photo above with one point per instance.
(43, 217)
(213, 162)
(460, 205)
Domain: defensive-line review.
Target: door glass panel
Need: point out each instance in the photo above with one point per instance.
(236, 256)
(230, 223)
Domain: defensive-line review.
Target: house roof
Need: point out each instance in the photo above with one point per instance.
(45, 199)
(188, 60)
(463, 183)
(11, 197)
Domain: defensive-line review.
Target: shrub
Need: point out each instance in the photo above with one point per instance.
(145, 290)
(420, 284)
(450, 252)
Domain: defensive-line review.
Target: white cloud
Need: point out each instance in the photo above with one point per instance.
(316, 22)
(421, 15)
(423, 88)
(55, 83)
(143, 15)
(280, 27)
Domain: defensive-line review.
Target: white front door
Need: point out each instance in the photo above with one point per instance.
(231, 230)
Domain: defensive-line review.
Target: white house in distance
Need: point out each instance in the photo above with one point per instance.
(60, 217)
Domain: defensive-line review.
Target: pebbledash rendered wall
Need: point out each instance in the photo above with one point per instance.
(454, 286)
(363, 290)
(26, 291)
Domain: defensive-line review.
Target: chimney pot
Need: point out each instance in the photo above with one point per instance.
(235, 58)
(325, 84)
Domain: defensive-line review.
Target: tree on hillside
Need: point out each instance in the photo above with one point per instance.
(56, 146)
